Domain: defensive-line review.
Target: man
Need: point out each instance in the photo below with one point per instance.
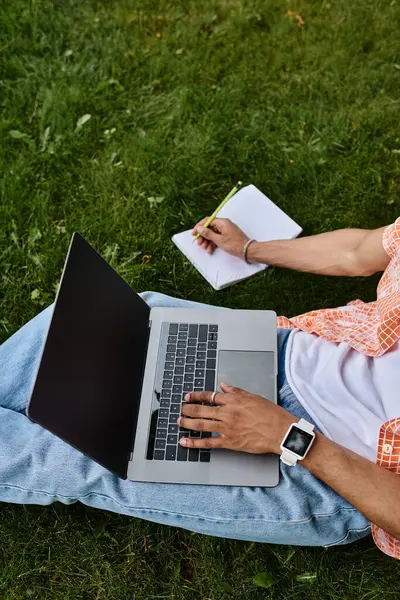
(344, 380)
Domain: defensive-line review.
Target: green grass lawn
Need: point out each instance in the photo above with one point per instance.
(181, 100)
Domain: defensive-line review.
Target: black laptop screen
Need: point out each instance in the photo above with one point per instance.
(88, 386)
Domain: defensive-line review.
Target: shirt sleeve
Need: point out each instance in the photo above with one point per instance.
(389, 458)
(391, 238)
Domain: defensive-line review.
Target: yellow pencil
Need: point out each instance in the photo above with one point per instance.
(216, 211)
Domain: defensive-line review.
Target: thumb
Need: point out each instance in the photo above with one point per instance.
(228, 389)
(208, 234)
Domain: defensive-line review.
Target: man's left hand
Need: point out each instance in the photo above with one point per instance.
(245, 422)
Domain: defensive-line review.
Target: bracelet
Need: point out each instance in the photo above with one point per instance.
(245, 248)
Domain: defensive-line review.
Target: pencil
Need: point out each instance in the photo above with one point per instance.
(216, 211)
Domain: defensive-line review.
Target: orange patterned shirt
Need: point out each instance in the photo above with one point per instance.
(370, 328)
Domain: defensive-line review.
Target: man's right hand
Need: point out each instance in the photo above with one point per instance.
(223, 234)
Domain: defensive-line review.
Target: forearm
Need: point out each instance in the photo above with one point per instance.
(331, 253)
(371, 489)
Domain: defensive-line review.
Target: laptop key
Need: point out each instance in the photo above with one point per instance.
(193, 331)
(160, 444)
(178, 379)
(199, 382)
(194, 434)
(177, 389)
(212, 354)
(213, 328)
(169, 365)
(199, 389)
(200, 373)
(167, 383)
(172, 439)
(205, 457)
(173, 329)
(163, 412)
(173, 428)
(159, 455)
(212, 337)
(166, 393)
(162, 423)
(212, 345)
(170, 357)
(182, 453)
(175, 409)
(165, 402)
(211, 363)
(161, 434)
(190, 360)
(191, 351)
(202, 346)
(189, 377)
(168, 374)
(192, 342)
(194, 452)
(170, 453)
(203, 333)
(181, 344)
(179, 370)
(182, 335)
(180, 361)
(188, 387)
(173, 417)
(200, 364)
(206, 434)
(189, 369)
(210, 380)
(176, 398)
(172, 339)
(171, 347)
(183, 327)
(201, 356)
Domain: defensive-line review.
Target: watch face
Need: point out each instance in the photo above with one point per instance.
(298, 441)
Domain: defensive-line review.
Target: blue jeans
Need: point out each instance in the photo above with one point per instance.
(38, 468)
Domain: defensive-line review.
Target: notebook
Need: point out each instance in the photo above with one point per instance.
(258, 217)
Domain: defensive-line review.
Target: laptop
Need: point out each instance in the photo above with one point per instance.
(113, 373)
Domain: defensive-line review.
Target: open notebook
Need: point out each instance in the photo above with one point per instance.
(258, 217)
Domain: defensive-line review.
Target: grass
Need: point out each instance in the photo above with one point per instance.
(185, 98)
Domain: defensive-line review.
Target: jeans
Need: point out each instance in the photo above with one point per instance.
(38, 468)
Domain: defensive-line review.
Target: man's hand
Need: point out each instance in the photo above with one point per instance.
(223, 234)
(246, 422)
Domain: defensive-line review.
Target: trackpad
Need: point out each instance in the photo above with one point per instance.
(251, 371)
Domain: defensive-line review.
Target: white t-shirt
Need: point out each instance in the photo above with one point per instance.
(348, 395)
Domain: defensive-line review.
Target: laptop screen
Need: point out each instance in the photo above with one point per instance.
(87, 390)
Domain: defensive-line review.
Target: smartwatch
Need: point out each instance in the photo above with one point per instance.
(297, 442)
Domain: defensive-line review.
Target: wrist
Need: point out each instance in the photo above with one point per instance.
(253, 252)
(281, 430)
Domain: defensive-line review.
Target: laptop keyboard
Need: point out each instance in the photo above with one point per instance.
(189, 366)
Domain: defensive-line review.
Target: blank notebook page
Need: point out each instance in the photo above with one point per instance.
(258, 217)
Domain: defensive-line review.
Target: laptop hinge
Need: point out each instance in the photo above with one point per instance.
(150, 322)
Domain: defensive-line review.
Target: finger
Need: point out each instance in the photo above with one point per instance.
(208, 234)
(216, 442)
(204, 396)
(201, 424)
(199, 224)
(220, 224)
(211, 247)
(201, 241)
(199, 411)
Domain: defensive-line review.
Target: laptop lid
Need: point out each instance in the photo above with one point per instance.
(88, 386)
